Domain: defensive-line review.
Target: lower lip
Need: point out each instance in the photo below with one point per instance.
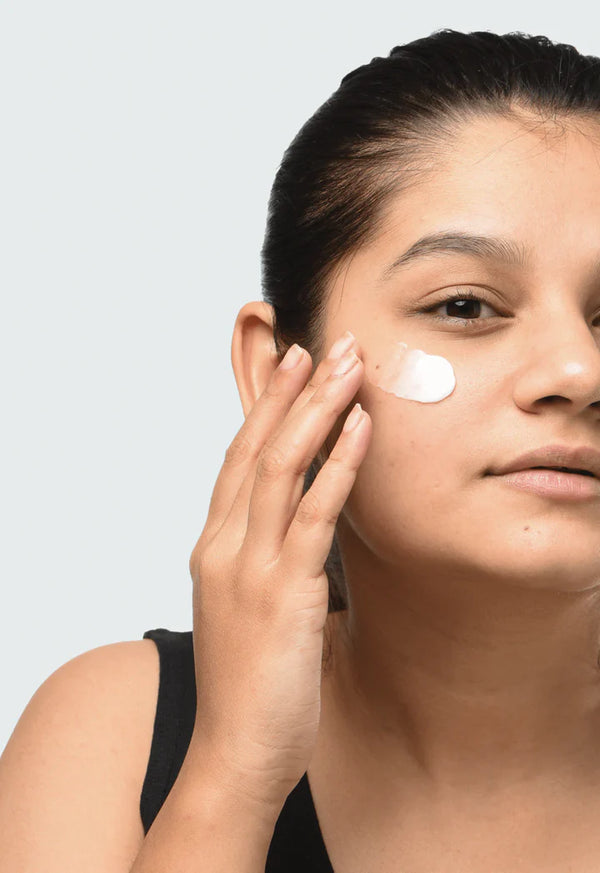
(553, 483)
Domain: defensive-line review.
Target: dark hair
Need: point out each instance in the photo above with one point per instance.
(377, 135)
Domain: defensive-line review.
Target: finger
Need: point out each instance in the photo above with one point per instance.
(286, 389)
(235, 524)
(311, 531)
(282, 465)
(240, 457)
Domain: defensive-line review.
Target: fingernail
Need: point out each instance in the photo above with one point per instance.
(344, 343)
(345, 364)
(354, 417)
(292, 357)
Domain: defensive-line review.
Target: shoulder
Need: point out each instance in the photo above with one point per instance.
(102, 689)
(75, 763)
(109, 690)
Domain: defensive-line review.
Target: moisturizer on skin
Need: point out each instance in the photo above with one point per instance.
(412, 374)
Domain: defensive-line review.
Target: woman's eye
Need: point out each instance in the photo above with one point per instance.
(465, 307)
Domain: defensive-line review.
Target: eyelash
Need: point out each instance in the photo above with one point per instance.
(466, 295)
(463, 322)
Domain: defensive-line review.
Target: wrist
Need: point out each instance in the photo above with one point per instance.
(208, 786)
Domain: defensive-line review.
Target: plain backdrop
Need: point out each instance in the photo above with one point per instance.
(138, 144)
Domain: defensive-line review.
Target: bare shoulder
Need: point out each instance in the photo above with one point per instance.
(72, 772)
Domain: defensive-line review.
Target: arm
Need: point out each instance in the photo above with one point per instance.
(206, 827)
(72, 771)
(71, 777)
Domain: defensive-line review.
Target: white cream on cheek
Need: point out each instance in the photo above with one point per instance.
(412, 374)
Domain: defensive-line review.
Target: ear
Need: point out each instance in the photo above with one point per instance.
(254, 358)
(253, 354)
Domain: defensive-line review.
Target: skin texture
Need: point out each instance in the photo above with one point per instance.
(466, 670)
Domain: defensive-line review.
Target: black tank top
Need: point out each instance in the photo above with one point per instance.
(297, 844)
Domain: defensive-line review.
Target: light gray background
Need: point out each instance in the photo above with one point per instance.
(138, 143)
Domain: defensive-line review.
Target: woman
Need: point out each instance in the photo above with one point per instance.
(421, 690)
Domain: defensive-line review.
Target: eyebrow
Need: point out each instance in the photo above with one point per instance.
(457, 242)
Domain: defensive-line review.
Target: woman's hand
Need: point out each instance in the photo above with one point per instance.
(260, 588)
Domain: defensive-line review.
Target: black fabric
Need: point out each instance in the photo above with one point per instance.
(173, 721)
(297, 844)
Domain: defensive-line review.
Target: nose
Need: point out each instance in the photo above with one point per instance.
(561, 368)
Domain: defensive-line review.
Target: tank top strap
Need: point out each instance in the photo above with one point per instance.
(297, 844)
(174, 719)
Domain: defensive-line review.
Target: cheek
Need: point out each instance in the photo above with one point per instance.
(406, 392)
(412, 374)
(419, 476)
(411, 446)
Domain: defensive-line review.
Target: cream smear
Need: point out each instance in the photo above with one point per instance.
(412, 374)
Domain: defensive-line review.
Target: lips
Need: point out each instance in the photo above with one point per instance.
(583, 460)
(564, 470)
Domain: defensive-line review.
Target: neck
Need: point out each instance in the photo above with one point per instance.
(468, 682)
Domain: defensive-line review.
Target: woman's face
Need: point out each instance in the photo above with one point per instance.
(526, 359)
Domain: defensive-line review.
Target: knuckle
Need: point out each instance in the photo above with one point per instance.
(272, 390)
(196, 557)
(239, 450)
(321, 397)
(310, 511)
(204, 564)
(337, 463)
(271, 464)
(313, 383)
(193, 563)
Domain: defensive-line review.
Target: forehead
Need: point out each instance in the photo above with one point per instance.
(534, 186)
(488, 156)
(493, 151)
(537, 183)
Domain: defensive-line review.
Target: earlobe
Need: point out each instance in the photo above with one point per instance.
(253, 353)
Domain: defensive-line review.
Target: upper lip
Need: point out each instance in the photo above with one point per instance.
(577, 458)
